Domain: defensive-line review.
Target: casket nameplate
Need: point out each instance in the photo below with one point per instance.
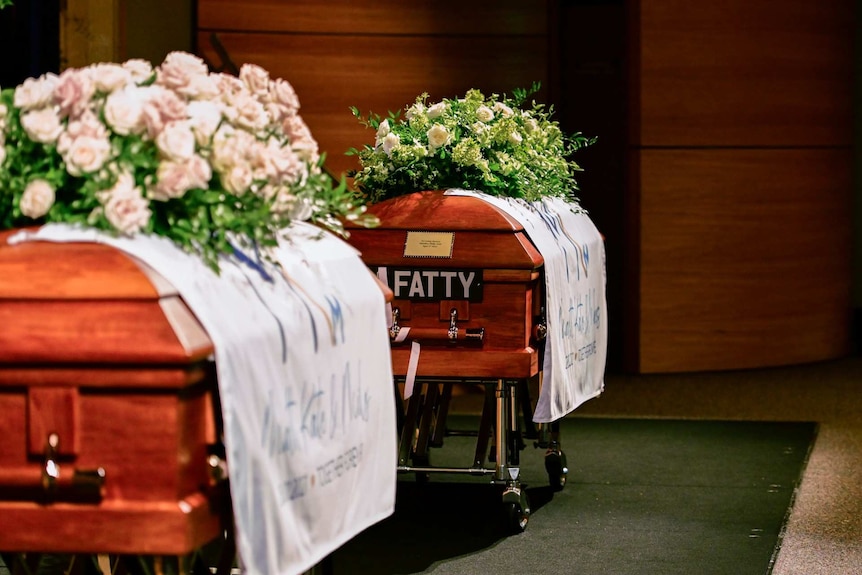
(435, 284)
(429, 244)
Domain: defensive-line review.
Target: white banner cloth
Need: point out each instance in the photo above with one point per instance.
(576, 303)
(306, 388)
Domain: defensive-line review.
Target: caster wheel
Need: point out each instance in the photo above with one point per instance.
(557, 468)
(514, 518)
(516, 510)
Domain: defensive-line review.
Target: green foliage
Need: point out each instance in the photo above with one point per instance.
(498, 145)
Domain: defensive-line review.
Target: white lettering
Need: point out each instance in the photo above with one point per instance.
(466, 281)
(448, 277)
(416, 287)
(400, 281)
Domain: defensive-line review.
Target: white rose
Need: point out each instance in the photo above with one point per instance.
(42, 125)
(390, 142)
(515, 138)
(484, 114)
(87, 155)
(124, 111)
(4, 113)
(204, 118)
(141, 70)
(416, 109)
(382, 130)
(531, 125)
(438, 136)
(202, 87)
(35, 92)
(127, 210)
(436, 110)
(37, 199)
(503, 109)
(176, 141)
(110, 77)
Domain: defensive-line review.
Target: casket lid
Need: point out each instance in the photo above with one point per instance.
(72, 303)
(480, 235)
(437, 211)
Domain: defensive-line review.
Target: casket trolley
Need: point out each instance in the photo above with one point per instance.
(110, 441)
(467, 288)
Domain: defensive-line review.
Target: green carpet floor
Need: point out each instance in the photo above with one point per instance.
(643, 497)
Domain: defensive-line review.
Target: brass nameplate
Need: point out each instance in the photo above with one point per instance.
(429, 244)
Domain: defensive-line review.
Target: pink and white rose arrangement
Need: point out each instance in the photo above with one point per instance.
(205, 159)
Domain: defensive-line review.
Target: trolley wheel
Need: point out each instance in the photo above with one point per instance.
(557, 468)
(516, 510)
(515, 518)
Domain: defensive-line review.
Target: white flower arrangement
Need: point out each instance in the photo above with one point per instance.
(201, 158)
(493, 145)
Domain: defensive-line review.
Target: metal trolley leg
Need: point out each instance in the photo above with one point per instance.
(516, 504)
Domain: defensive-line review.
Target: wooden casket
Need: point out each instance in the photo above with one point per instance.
(109, 419)
(465, 280)
(468, 291)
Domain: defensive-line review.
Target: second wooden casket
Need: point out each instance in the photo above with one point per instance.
(466, 281)
(109, 415)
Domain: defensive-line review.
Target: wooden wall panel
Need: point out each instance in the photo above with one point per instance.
(745, 258)
(745, 73)
(380, 73)
(416, 17)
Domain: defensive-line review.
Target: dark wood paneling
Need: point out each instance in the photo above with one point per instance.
(745, 258)
(416, 17)
(745, 73)
(381, 73)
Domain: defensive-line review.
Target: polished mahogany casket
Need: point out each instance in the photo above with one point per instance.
(465, 279)
(108, 394)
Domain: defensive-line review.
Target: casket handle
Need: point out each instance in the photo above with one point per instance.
(453, 334)
(47, 484)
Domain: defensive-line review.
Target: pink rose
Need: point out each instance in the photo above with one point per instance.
(238, 178)
(176, 141)
(284, 98)
(110, 77)
(160, 107)
(87, 155)
(42, 125)
(37, 199)
(255, 78)
(301, 140)
(174, 179)
(86, 126)
(74, 92)
(244, 111)
(178, 71)
(124, 206)
(230, 146)
(35, 92)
